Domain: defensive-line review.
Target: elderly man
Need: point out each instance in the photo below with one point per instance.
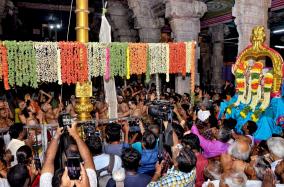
(276, 149)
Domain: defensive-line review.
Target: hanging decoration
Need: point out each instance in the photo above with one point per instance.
(107, 70)
(138, 58)
(22, 64)
(118, 59)
(1, 66)
(189, 51)
(5, 67)
(97, 58)
(58, 62)
(74, 65)
(157, 58)
(178, 58)
(192, 65)
(46, 61)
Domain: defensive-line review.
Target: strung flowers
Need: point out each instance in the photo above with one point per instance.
(46, 58)
(22, 64)
(118, 59)
(97, 59)
(5, 67)
(178, 58)
(137, 58)
(74, 65)
(157, 58)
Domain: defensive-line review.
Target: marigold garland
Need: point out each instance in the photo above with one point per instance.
(267, 88)
(118, 59)
(5, 68)
(178, 58)
(74, 65)
(138, 58)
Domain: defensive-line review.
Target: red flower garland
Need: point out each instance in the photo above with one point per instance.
(178, 58)
(5, 68)
(74, 64)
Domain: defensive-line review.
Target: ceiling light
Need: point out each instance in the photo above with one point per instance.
(58, 26)
(278, 31)
(279, 46)
(51, 27)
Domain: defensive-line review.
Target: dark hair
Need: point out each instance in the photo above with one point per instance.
(149, 139)
(192, 141)
(18, 175)
(56, 179)
(95, 145)
(2, 149)
(15, 130)
(252, 127)
(224, 134)
(130, 159)
(186, 160)
(230, 123)
(178, 130)
(24, 154)
(113, 132)
(133, 101)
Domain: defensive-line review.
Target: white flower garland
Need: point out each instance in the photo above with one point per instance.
(157, 58)
(97, 58)
(59, 67)
(188, 56)
(167, 58)
(46, 61)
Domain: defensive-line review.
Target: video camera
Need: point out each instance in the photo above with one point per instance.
(161, 110)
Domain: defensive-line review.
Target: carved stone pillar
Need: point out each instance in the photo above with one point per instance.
(217, 34)
(249, 14)
(147, 24)
(119, 19)
(184, 16)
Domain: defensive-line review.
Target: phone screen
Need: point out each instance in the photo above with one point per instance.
(73, 166)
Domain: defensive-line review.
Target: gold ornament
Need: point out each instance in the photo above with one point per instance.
(83, 105)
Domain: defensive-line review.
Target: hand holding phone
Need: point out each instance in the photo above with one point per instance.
(74, 168)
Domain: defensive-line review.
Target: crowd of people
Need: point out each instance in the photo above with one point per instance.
(193, 146)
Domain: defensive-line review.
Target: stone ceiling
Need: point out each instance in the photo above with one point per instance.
(218, 7)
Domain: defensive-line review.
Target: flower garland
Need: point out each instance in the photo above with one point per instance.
(138, 58)
(22, 64)
(255, 80)
(5, 68)
(58, 62)
(107, 73)
(192, 63)
(74, 65)
(118, 59)
(188, 55)
(167, 62)
(178, 58)
(157, 58)
(240, 85)
(46, 58)
(268, 82)
(127, 64)
(1, 66)
(97, 58)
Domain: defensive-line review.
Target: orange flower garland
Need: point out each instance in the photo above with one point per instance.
(138, 58)
(178, 58)
(74, 65)
(5, 67)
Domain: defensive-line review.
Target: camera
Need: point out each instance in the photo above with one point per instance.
(65, 120)
(73, 167)
(161, 110)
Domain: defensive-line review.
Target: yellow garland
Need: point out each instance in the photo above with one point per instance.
(127, 64)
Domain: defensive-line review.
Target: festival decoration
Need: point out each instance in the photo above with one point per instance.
(5, 67)
(74, 66)
(46, 61)
(107, 72)
(138, 58)
(178, 58)
(118, 59)
(192, 63)
(157, 57)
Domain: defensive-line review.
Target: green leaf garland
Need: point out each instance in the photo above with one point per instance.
(118, 59)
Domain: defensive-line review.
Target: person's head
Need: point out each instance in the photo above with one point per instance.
(17, 131)
(186, 160)
(130, 159)
(24, 155)
(154, 128)
(73, 99)
(119, 99)
(216, 105)
(249, 128)
(132, 104)
(276, 147)
(213, 170)
(224, 134)
(192, 141)
(3, 113)
(178, 130)
(235, 179)
(240, 150)
(46, 107)
(113, 132)
(22, 104)
(149, 140)
(230, 123)
(95, 145)
(18, 175)
(197, 89)
(260, 166)
(27, 97)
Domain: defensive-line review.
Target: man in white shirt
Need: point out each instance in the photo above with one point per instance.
(18, 135)
(88, 176)
(276, 149)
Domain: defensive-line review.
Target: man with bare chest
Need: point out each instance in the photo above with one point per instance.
(122, 108)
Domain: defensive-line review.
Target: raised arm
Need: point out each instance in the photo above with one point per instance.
(83, 148)
(48, 166)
